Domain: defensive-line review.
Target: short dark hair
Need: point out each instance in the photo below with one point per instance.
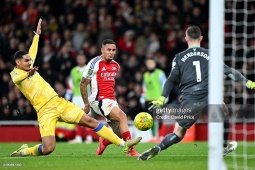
(19, 55)
(108, 41)
(193, 32)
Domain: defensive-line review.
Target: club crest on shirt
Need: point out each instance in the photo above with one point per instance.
(90, 72)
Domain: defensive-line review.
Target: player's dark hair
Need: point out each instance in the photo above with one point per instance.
(108, 41)
(193, 32)
(19, 55)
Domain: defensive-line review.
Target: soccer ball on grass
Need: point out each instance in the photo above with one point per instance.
(143, 121)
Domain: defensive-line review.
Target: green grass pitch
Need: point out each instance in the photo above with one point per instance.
(183, 156)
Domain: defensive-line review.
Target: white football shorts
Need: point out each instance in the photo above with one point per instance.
(103, 107)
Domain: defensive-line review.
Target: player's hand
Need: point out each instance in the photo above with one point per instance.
(38, 30)
(32, 71)
(86, 108)
(250, 84)
(157, 103)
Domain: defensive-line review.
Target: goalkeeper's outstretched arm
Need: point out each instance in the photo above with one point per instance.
(237, 76)
(173, 76)
(169, 84)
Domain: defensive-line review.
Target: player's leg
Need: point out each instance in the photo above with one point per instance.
(116, 129)
(103, 143)
(99, 128)
(117, 115)
(110, 110)
(24, 150)
(74, 114)
(172, 138)
(225, 112)
(226, 133)
(168, 140)
(117, 120)
(49, 144)
(227, 146)
(106, 133)
(47, 147)
(47, 124)
(120, 124)
(178, 134)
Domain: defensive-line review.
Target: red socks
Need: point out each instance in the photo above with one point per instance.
(126, 136)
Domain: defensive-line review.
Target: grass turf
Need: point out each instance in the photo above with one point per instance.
(183, 156)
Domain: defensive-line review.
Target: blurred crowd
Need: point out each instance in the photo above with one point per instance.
(142, 29)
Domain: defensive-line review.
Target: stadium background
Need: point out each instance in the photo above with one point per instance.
(141, 28)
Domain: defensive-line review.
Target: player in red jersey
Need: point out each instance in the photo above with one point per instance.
(100, 73)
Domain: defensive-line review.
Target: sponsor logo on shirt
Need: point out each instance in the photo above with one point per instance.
(108, 76)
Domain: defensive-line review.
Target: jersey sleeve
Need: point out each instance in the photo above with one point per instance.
(33, 49)
(17, 76)
(234, 74)
(174, 74)
(90, 70)
(175, 68)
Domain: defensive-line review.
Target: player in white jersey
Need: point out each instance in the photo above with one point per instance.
(100, 73)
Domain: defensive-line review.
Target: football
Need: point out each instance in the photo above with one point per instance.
(143, 121)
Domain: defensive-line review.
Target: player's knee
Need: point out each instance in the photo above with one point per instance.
(48, 149)
(180, 132)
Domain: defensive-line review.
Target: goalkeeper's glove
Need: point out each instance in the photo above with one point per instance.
(250, 84)
(157, 103)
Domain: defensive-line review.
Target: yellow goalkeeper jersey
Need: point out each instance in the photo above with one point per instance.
(34, 88)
